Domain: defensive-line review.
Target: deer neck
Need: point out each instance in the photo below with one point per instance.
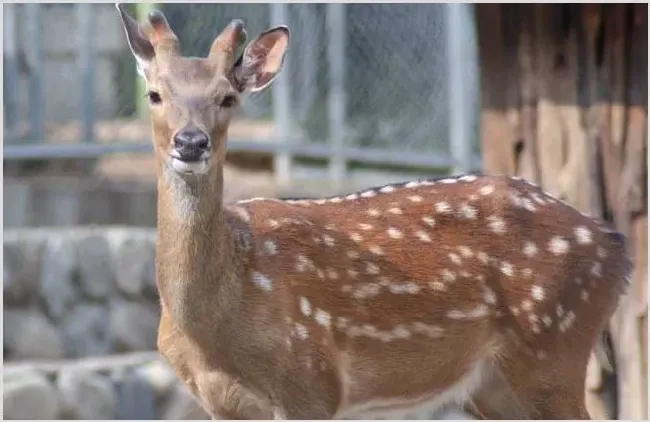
(196, 260)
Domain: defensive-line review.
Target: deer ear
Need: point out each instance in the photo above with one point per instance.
(139, 44)
(261, 60)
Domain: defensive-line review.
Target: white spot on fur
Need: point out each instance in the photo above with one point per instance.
(507, 269)
(455, 259)
(395, 210)
(273, 223)
(489, 296)
(303, 263)
(526, 305)
(356, 237)
(376, 250)
(443, 207)
(305, 306)
(332, 274)
(547, 320)
(559, 310)
(432, 331)
(352, 197)
(429, 221)
(584, 295)
(465, 251)
(368, 194)
(336, 199)
(558, 246)
(408, 288)
(583, 235)
(537, 198)
(468, 211)
(367, 290)
(365, 226)
(372, 268)
(323, 318)
(301, 331)
(478, 312)
(486, 190)
(373, 212)
(262, 281)
(448, 276)
(567, 322)
(538, 293)
(423, 236)
(448, 181)
(329, 240)
(415, 198)
(530, 249)
(352, 273)
(412, 184)
(394, 233)
(597, 269)
(602, 253)
(528, 204)
(483, 257)
(534, 323)
(497, 225)
(455, 314)
(437, 285)
(528, 273)
(387, 189)
(352, 254)
(270, 247)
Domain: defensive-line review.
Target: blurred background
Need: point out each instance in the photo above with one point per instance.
(370, 94)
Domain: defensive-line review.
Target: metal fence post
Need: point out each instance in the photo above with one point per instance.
(11, 73)
(306, 51)
(86, 67)
(282, 104)
(337, 101)
(34, 55)
(458, 25)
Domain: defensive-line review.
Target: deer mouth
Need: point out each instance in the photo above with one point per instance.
(189, 165)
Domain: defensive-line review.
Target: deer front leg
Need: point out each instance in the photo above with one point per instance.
(225, 398)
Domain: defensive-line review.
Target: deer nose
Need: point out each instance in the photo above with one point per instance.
(190, 144)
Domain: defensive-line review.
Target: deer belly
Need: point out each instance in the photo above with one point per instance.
(426, 403)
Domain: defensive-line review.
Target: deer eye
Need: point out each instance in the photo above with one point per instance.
(228, 101)
(154, 97)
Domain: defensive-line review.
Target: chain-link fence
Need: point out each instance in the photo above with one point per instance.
(363, 82)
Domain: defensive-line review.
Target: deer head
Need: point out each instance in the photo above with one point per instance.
(192, 99)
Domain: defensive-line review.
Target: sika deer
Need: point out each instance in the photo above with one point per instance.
(475, 290)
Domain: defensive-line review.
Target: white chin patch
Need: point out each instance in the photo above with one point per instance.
(197, 167)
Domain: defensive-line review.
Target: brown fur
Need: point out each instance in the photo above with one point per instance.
(237, 345)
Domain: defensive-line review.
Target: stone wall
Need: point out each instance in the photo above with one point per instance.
(130, 386)
(77, 292)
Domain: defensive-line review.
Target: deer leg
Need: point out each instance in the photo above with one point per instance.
(520, 390)
(496, 400)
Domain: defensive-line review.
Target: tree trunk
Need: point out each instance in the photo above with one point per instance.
(564, 104)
